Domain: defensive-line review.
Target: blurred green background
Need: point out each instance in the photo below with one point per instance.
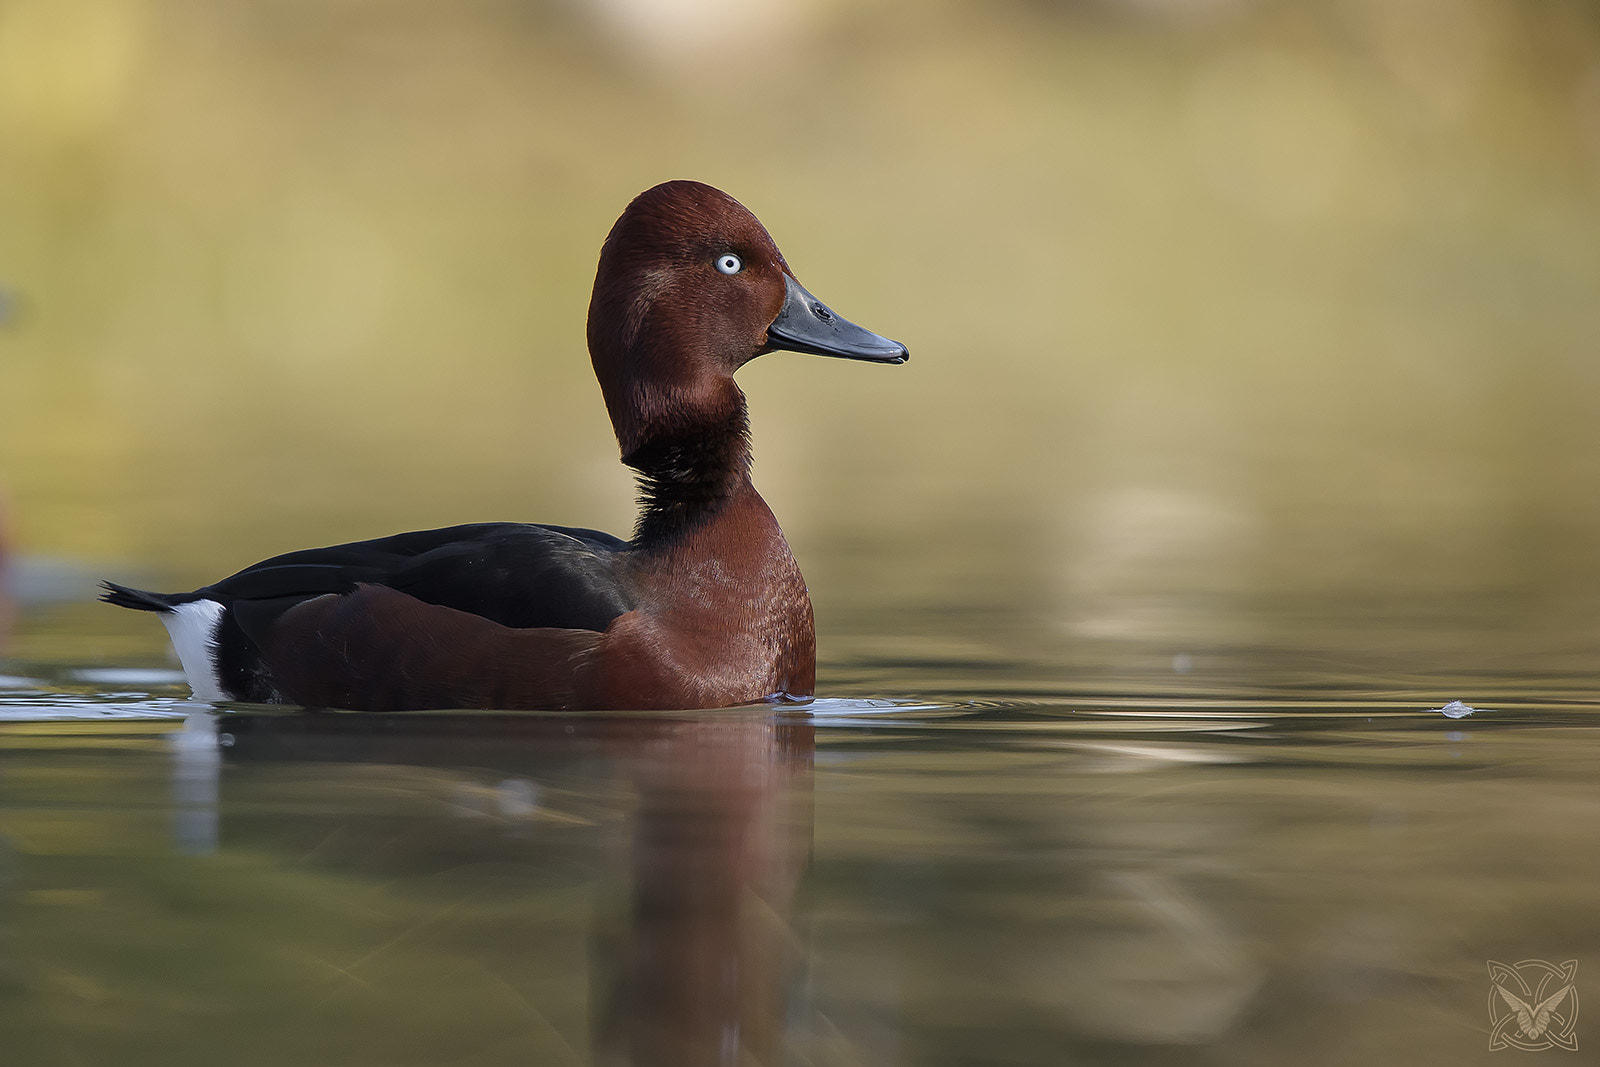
(1230, 319)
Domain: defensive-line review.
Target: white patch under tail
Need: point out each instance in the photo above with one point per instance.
(193, 629)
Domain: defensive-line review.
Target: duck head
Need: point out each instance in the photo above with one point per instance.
(689, 289)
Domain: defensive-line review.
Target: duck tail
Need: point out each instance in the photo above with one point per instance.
(138, 599)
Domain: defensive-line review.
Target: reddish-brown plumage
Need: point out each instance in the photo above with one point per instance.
(705, 607)
(724, 619)
(378, 649)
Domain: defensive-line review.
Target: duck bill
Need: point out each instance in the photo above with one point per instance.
(807, 325)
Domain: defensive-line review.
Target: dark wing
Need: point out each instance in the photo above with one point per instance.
(485, 615)
(514, 574)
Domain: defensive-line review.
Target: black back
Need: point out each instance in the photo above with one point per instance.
(516, 574)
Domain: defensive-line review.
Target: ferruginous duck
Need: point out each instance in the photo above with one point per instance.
(703, 608)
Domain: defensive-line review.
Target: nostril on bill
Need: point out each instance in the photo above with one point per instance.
(822, 313)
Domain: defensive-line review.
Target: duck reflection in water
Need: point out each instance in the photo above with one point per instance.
(692, 950)
(699, 964)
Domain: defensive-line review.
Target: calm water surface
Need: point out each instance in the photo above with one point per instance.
(1235, 864)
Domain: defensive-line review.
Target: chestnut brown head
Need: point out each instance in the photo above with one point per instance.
(690, 287)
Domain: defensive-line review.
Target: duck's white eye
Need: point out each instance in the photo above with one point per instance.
(728, 263)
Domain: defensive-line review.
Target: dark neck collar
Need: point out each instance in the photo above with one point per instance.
(687, 474)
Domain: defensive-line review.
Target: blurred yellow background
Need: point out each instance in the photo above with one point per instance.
(1210, 302)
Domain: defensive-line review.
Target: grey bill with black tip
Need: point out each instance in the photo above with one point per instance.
(807, 325)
